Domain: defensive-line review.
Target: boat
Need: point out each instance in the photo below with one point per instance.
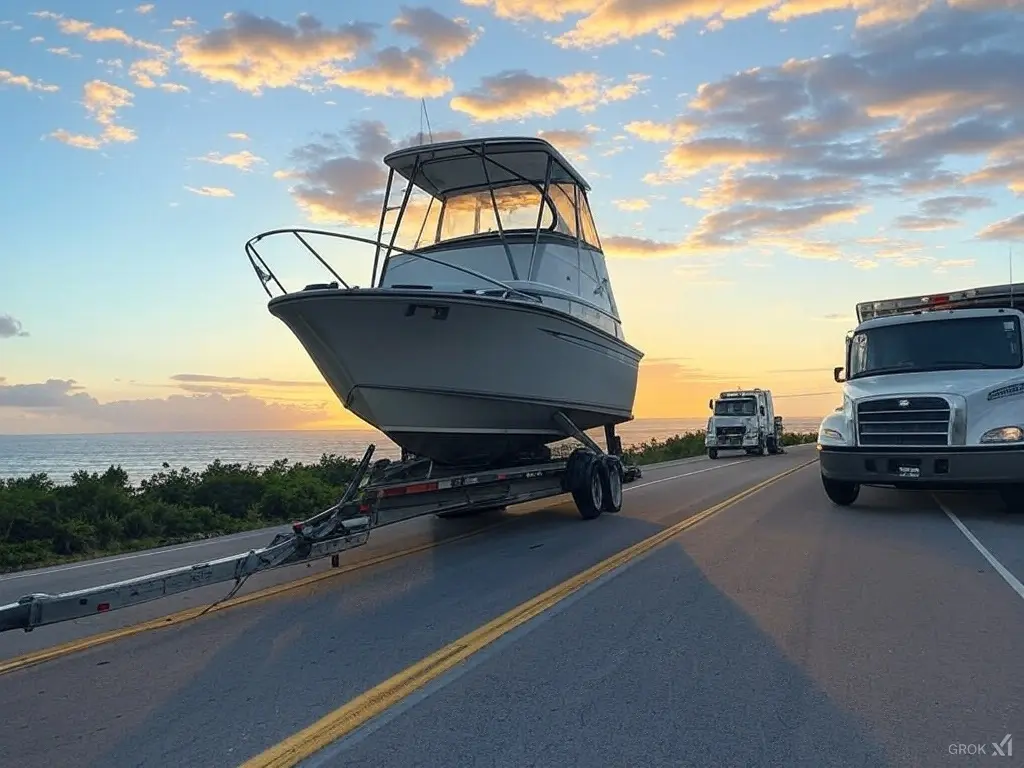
(492, 330)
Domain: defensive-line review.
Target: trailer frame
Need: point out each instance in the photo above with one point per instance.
(379, 494)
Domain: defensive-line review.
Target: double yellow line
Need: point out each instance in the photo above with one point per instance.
(380, 698)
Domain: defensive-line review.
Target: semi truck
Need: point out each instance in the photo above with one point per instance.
(932, 397)
(743, 419)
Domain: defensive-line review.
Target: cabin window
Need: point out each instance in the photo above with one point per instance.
(562, 196)
(589, 230)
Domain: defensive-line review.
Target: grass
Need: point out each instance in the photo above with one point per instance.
(98, 514)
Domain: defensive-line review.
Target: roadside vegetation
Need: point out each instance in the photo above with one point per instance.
(97, 514)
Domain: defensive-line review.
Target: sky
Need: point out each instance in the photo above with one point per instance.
(758, 167)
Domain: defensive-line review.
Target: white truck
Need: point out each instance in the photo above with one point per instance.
(933, 397)
(743, 419)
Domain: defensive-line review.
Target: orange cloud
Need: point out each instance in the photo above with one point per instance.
(632, 204)
(395, 72)
(256, 52)
(22, 81)
(211, 191)
(514, 94)
(89, 31)
(243, 161)
(102, 101)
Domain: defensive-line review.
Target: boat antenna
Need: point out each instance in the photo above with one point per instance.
(1011, 276)
(424, 117)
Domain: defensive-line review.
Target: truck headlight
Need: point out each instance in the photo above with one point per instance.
(832, 434)
(1003, 435)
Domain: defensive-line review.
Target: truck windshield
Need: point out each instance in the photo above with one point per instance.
(937, 345)
(736, 407)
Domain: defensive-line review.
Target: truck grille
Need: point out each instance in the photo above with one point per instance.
(903, 421)
(730, 431)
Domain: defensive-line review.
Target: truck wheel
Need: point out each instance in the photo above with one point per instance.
(771, 446)
(762, 448)
(589, 491)
(611, 485)
(840, 493)
(712, 453)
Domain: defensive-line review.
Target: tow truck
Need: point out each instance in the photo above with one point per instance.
(933, 397)
(380, 493)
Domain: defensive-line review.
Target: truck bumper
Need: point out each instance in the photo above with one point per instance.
(949, 469)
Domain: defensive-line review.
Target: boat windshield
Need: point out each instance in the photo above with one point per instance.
(735, 407)
(966, 343)
(514, 208)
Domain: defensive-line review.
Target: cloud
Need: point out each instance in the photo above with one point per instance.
(623, 246)
(568, 140)
(239, 136)
(341, 178)
(243, 161)
(204, 378)
(1008, 230)
(188, 21)
(65, 52)
(443, 39)
(516, 94)
(90, 32)
(102, 101)
(11, 327)
(23, 81)
(603, 22)
(394, 71)
(924, 107)
(632, 204)
(144, 8)
(60, 405)
(256, 52)
(211, 191)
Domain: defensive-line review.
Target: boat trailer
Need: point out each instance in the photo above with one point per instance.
(379, 494)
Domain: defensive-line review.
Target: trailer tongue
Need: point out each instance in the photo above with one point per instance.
(382, 493)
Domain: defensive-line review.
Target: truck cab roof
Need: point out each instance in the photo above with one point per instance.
(926, 316)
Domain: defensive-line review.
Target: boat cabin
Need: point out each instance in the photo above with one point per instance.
(513, 209)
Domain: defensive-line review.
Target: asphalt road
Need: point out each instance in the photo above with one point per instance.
(780, 631)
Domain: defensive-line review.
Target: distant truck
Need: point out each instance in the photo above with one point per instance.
(933, 397)
(745, 420)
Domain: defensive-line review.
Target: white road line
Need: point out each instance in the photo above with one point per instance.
(122, 558)
(685, 474)
(1008, 577)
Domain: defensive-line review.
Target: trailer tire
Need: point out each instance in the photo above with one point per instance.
(839, 492)
(611, 485)
(588, 493)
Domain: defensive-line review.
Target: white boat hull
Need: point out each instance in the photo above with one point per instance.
(462, 378)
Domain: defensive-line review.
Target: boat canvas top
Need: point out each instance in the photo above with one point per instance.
(455, 167)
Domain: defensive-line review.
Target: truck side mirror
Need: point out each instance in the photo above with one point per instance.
(838, 375)
(711, 404)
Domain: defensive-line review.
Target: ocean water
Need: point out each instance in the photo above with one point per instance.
(142, 454)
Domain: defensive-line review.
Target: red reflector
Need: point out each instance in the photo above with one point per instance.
(103, 607)
(937, 299)
(421, 488)
(364, 507)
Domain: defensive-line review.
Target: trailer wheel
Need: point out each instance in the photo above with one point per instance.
(589, 491)
(611, 485)
(839, 492)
